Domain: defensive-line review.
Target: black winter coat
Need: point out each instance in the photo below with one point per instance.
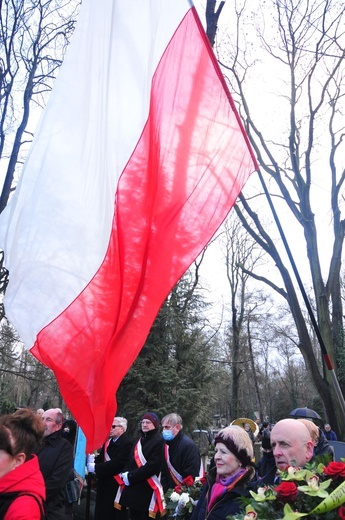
(56, 463)
(139, 493)
(228, 504)
(323, 448)
(266, 468)
(119, 452)
(184, 455)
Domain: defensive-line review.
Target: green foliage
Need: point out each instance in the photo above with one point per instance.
(173, 372)
(24, 381)
(181, 500)
(316, 491)
(6, 405)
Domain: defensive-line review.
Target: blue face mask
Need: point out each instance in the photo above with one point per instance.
(168, 435)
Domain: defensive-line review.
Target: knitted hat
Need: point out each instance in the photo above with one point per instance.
(151, 417)
(241, 455)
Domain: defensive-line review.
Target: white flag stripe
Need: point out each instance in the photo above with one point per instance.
(79, 151)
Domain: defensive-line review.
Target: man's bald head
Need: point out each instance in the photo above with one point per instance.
(292, 444)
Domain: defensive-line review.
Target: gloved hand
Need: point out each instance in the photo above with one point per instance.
(90, 463)
(124, 477)
(91, 467)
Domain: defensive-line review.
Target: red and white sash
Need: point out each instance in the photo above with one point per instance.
(116, 477)
(177, 478)
(157, 503)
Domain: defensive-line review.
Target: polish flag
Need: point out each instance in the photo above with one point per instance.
(138, 158)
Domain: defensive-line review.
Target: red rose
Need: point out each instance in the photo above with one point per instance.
(188, 481)
(203, 480)
(286, 491)
(341, 512)
(335, 469)
(178, 489)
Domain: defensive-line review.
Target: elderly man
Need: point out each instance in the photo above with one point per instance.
(182, 456)
(329, 433)
(56, 464)
(109, 463)
(292, 444)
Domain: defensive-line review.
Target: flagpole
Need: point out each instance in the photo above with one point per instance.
(324, 352)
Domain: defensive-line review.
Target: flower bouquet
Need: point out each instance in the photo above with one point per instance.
(316, 491)
(181, 500)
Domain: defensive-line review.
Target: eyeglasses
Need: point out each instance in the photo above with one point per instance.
(116, 425)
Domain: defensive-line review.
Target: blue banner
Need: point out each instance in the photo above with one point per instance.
(80, 453)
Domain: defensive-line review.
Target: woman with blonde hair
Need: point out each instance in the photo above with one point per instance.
(228, 480)
(321, 446)
(22, 489)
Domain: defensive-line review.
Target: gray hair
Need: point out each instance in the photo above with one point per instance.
(173, 419)
(59, 416)
(122, 422)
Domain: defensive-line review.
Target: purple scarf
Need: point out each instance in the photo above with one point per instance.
(222, 485)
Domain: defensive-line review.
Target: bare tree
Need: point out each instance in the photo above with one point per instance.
(241, 255)
(212, 15)
(24, 381)
(34, 36)
(305, 45)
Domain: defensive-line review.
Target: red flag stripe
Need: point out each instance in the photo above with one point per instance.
(185, 174)
(186, 170)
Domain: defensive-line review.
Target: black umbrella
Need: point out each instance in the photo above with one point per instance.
(304, 413)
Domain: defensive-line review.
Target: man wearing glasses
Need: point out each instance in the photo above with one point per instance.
(108, 464)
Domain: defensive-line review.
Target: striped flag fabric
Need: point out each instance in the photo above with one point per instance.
(138, 158)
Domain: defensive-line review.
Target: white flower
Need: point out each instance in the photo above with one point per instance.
(313, 483)
(251, 515)
(292, 470)
(184, 499)
(261, 491)
(174, 497)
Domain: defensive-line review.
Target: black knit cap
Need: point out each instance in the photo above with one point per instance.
(151, 417)
(241, 455)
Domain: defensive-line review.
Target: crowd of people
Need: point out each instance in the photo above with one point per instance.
(132, 478)
(36, 462)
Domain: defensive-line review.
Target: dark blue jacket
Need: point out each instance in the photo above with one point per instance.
(331, 435)
(323, 448)
(228, 504)
(184, 456)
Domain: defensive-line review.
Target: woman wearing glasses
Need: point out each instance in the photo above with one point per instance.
(142, 493)
(22, 489)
